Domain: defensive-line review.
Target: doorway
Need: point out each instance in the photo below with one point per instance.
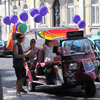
(56, 13)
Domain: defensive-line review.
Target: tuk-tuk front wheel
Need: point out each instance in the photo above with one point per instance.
(90, 88)
(30, 86)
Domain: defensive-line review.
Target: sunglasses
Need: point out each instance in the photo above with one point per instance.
(21, 38)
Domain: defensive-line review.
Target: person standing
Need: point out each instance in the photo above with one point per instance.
(18, 63)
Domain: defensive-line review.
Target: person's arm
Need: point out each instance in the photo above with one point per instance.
(28, 54)
(44, 45)
(15, 52)
(27, 50)
(57, 43)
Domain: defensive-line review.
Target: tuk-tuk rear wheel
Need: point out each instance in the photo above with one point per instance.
(98, 75)
(90, 88)
(30, 86)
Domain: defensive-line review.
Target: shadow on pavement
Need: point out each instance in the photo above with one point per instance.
(8, 78)
(6, 56)
(60, 92)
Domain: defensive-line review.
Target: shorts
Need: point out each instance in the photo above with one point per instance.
(20, 73)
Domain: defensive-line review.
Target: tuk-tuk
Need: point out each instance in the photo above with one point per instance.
(74, 65)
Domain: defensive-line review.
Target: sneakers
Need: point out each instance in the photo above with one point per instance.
(23, 91)
(18, 93)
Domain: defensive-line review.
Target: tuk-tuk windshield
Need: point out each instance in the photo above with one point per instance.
(78, 46)
(97, 41)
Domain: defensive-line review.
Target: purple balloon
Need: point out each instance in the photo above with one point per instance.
(43, 10)
(6, 20)
(24, 16)
(16, 25)
(14, 19)
(76, 18)
(37, 18)
(81, 24)
(14, 36)
(33, 11)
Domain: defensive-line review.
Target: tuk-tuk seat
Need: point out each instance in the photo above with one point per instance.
(41, 58)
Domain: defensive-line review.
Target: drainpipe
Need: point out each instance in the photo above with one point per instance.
(6, 25)
(7, 14)
(81, 10)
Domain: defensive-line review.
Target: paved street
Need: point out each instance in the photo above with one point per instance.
(42, 92)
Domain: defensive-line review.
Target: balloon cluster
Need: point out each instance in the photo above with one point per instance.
(18, 26)
(13, 19)
(76, 19)
(37, 14)
(21, 27)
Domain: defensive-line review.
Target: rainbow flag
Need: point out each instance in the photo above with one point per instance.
(88, 65)
(50, 34)
(28, 72)
(10, 40)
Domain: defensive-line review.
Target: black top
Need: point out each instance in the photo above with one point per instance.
(18, 62)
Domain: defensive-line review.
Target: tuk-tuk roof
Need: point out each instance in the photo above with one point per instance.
(50, 33)
(51, 28)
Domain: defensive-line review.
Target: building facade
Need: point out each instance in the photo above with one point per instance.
(60, 13)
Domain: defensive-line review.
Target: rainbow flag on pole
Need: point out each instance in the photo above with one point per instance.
(10, 39)
(50, 34)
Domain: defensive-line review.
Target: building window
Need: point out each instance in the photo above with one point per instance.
(15, 12)
(70, 11)
(25, 9)
(43, 18)
(95, 11)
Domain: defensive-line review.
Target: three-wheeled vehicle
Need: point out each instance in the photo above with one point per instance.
(72, 67)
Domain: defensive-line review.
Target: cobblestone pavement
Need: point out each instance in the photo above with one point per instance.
(10, 94)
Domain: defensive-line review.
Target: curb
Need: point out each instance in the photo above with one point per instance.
(1, 90)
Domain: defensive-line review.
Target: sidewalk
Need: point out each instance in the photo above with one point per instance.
(1, 91)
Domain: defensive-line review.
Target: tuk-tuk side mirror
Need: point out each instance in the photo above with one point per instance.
(55, 50)
(94, 46)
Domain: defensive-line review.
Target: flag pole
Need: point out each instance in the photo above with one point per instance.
(50, 33)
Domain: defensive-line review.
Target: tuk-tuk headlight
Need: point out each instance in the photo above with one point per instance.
(72, 66)
(96, 63)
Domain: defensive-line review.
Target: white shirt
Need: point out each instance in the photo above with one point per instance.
(49, 55)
